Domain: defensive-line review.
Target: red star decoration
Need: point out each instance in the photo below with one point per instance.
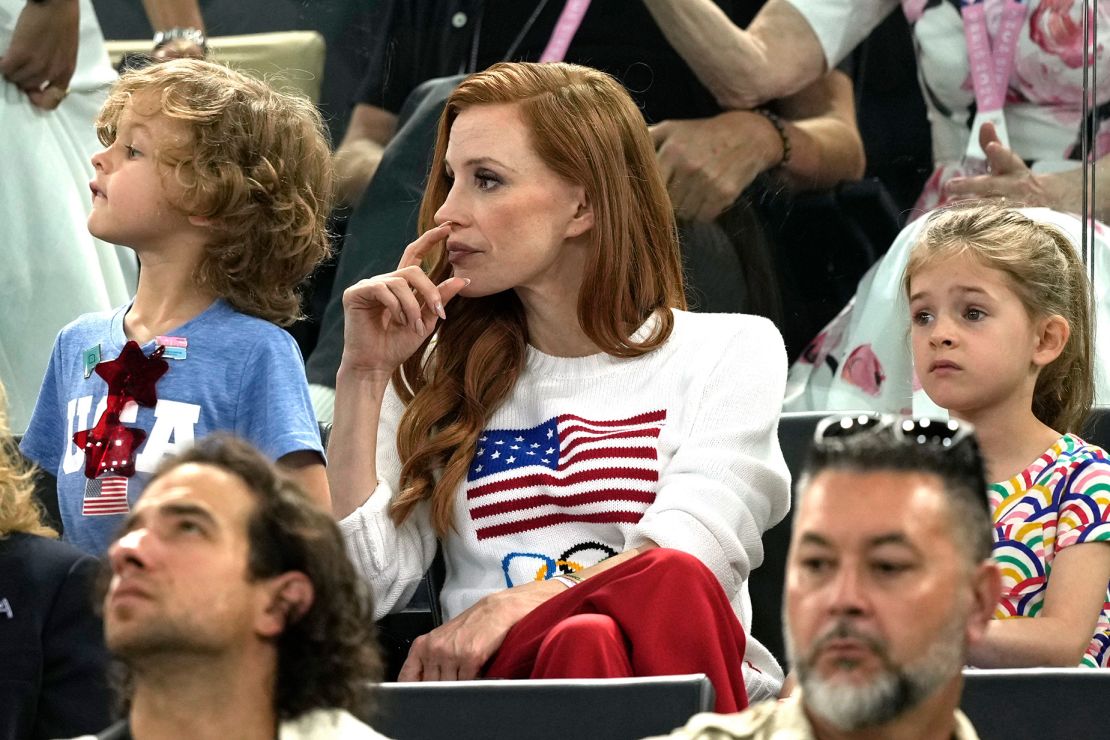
(109, 447)
(132, 375)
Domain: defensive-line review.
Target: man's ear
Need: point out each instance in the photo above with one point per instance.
(986, 592)
(583, 218)
(1052, 336)
(287, 598)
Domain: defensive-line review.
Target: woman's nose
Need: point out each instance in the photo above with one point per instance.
(451, 208)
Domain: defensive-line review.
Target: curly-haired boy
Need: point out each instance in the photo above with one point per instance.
(222, 185)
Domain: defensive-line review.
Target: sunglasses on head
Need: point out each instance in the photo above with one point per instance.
(945, 433)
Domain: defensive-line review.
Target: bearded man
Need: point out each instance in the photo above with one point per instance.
(889, 581)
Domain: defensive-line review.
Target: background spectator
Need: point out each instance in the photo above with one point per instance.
(733, 262)
(56, 74)
(54, 269)
(886, 589)
(861, 359)
(234, 607)
(51, 643)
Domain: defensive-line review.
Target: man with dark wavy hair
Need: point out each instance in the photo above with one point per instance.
(234, 607)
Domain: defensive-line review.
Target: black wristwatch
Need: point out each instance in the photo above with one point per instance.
(191, 35)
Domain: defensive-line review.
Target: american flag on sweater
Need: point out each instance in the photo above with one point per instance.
(107, 495)
(567, 469)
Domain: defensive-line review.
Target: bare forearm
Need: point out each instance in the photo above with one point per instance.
(307, 470)
(353, 444)
(359, 154)
(616, 560)
(1028, 643)
(778, 55)
(166, 14)
(355, 165)
(1064, 190)
(823, 153)
(826, 147)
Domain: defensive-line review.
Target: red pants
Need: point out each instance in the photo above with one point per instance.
(661, 613)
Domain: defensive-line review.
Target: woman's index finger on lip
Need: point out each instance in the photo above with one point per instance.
(417, 250)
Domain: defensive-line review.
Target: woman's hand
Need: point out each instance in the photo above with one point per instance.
(42, 55)
(1010, 178)
(458, 649)
(389, 316)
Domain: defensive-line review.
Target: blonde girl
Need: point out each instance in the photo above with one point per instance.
(1001, 332)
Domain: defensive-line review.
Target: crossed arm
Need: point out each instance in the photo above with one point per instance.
(778, 55)
(708, 162)
(1061, 632)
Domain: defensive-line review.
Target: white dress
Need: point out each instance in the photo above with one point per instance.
(861, 360)
(53, 270)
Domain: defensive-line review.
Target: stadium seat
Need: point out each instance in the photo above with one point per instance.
(614, 708)
(766, 582)
(292, 60)
(1036, 702)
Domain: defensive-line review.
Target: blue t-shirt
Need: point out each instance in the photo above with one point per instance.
(240, 374)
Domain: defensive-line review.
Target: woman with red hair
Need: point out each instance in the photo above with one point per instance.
(527, 389)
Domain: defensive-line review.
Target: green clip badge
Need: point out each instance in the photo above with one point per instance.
(91, 358)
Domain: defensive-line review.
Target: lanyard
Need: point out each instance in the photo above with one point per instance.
(569, 21)
(991, 65)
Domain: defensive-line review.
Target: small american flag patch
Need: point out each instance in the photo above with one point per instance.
(107, 495)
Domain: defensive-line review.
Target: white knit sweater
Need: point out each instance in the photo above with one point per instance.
(592, 456)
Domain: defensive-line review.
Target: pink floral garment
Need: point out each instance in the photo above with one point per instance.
(1044, 100)
(861, 360)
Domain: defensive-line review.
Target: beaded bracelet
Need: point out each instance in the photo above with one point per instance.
(781, 128)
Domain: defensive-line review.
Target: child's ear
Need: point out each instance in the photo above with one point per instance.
(202, 221)
(1052, 336)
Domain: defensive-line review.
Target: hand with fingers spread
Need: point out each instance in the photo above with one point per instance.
(389, 316)
(1011, 178)
(457, 650)
(42, 55)
(708, 162)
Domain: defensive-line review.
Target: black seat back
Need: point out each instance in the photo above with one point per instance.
(1037, 702)
(612, 708)
(765, 585)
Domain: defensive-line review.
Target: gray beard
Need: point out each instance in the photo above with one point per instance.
(896, 689)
